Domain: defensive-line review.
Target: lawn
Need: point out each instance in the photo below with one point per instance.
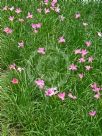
(51, 68)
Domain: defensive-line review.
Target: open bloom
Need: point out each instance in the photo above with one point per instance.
(11, 8)
(95, 87)
(57, 9)
(39, 10)
(97, 95)
(81, 60)
(29, 15)
(77, 51)
(7, 30)
(81, 75)
(46, 1)
(88, 68)
(90, 59)
(77, 15)
(99, 34)
(41, 50)
(61, 96)
(5, 8)
(12, 66)
(18, 10)
(73, 67)
(47, 10)
(11, 18)
(35, 26)
(88, 43)
(72, 96)
(84, 52)
(15, 81)
(40, 83)
(50, 92)
(61, 39)
(92, 113)
(21, 44)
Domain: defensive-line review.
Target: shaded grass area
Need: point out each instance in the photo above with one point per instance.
(24, 110)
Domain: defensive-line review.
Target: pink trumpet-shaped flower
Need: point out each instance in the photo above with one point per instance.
(29, 15)
(12, 66)
(77, 15)
(11, 18)
(39, 10)
(15, 81)
(97, 96)
(18, 10)
(77, 51)
(8, 30)
(47, 10)
(92, 113)
(61, 39)
(88, 43)
(81, 75)
(41, 50)
(40, 83)
(90, 59)
(84, 52)
(88, 68)
(61, 96)
(71, 96)
(81, 60)
(73, 67)
(50, 92)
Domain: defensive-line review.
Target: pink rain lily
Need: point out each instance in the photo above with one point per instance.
(47, 10)
(77, 51)
(71, 96)
(61, 39)
(95, 87)
(29, 15)
(81, 75)
(18, 10)
(40, 83)
(57, 9)
(53, 3)
(21, 44)
(90, 59)
(41, 50)
(11, 18)
(46, 1)
(88, 68)
(5, 8)
(92, 113)
(77, 15)
(88, 43)
(61, 96)
(73, 67)
(15, 81)
(81, 60)
(84, 52)
(39, 10)
(50, 92)
(12, 66)
(8, 30)
(35, 26)
(97, 96)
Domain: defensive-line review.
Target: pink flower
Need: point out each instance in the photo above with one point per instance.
(18, 10)
(46, 1)
(15, 81)
(21, 44)
(47, 10)
(51, 92)
(88, 68)
(77, 15)
(81, 75)
(88, 43)
(71, 96)
(61, 96)
(73, 67)
(90, 59)
(94, 85)
(11, 18)
(53, 3)
(97, 96)
(92, 113)
(77, 51)
(99, 34)
(41, 50)
(61, 39)
(81, 60)
(5, 8)
(12, 66)
(29, 15)
(35, 31)
(40, 83)
(38, 25)
(7, 30)
(84, 52)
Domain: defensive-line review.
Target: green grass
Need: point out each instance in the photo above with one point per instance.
(24, 109)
